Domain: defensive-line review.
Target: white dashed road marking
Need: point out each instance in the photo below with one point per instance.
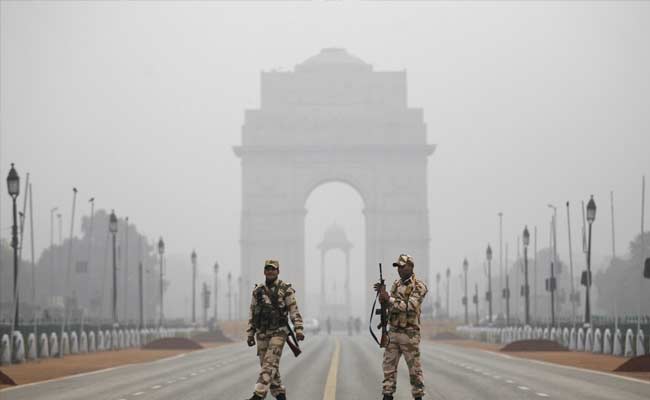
(155, 387)
(523, 388)
(138, 393)
(542, 394)
(509, 381)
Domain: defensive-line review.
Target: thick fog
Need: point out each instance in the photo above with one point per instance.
(139, 105)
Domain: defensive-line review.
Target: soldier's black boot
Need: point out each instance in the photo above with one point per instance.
(388, 397)
(418, 398)
(281, 396)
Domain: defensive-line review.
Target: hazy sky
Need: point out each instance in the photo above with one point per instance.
(140, 103)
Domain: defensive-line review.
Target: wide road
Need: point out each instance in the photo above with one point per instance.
(337, 367)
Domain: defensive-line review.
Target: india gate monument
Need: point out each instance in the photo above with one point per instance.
(332, 119)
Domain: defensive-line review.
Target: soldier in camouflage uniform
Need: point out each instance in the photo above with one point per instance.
(404, 305)
(272, 303)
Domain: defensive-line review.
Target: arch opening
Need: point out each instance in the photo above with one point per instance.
(335, 252)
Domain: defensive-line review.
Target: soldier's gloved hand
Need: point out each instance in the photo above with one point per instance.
(384, 296)
(251, 341)
(378, 286)
(300, 336)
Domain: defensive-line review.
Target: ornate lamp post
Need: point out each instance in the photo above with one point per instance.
(112, 228)
(193, 258)
(526, 289)
(161, 251)
(465, 268)
(488, 295)
(586, 275)
(475, 300)
(13, 187)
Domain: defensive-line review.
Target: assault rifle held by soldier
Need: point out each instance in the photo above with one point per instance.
(382, 312)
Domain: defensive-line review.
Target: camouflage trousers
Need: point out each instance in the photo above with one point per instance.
(269, 350)
(407, 344)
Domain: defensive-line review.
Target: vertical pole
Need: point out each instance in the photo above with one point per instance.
(126, 268)
(476, 297)
(611, 202)
(490, 289)
(31, 242)
(193, 292)
(161, 292)
(90, 250)
(573, 299)
(507, 296)
(518, 278)
(587, 304)
(141, 298)
(526, 287)
(552, 289)
(501, 255)
(535, 279)
(67, 273)
(114, 280)
(638, 322)
(448, 277)
(466, 301)
(555, 260)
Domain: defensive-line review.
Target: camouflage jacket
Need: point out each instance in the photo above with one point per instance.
(280, 298)
(405, 304)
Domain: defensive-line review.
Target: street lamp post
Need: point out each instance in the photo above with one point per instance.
(465, 268)
(448, 274)
(229, 296)
(112, 227)
(488, 295)
(526, 287)
(161, 251)
(586, 276)
(206, 302)
(216, 285)
(193, 258)
(13, 187)
(438, 295)
(476, 302)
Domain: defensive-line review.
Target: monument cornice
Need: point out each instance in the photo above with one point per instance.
(370, 149)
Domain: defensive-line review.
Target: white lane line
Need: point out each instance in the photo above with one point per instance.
(542, 394)
(156, 387)
(137, 394)
(193, 374)
(509, 381)
(524, 388)
(554, 365)
(171, 382)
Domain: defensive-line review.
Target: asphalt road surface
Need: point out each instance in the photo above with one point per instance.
(337, 367)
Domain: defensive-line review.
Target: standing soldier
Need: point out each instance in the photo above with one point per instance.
(404, 303)
(271, 304)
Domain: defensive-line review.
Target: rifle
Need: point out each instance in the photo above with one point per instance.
(292, 342)
(383, 315)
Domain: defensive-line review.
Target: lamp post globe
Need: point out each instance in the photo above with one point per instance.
(526, 236)
(13, 182)
(591, 210)
(161, 246)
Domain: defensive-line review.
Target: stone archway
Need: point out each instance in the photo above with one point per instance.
(332, 119)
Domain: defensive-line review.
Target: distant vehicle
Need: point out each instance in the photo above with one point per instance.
(311, 325)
